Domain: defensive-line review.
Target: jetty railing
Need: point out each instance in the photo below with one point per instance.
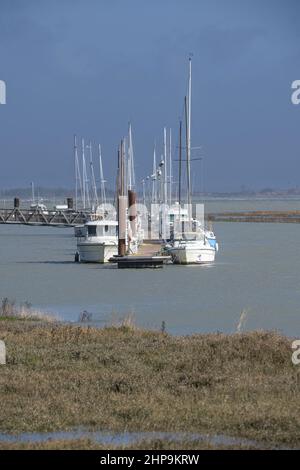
(38, 216)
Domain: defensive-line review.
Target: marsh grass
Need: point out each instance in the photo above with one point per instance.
(9, 310)
(125, 321)
(120, 378)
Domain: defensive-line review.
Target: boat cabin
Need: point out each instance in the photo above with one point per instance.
(101, 228)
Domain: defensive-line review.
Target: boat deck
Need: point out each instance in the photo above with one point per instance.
(148, 249)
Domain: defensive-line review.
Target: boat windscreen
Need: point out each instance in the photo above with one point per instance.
(92, 230)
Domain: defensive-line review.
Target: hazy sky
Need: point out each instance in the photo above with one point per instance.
(90, 66)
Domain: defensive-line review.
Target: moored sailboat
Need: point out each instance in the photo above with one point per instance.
(197, 246)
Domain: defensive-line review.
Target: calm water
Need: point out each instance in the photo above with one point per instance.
(257, 269)
(126, 438)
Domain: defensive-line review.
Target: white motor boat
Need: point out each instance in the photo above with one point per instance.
(99, 243)
(194, 248)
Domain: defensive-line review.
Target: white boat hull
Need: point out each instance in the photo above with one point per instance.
(193, 255)
(96, 252)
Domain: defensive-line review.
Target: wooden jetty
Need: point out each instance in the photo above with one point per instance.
(148, 256)
(149, 248)
(142, 262)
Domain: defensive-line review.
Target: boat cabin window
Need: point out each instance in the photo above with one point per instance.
(106, 228)
(92, 230)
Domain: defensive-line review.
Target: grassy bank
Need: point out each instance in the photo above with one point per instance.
(60, 377)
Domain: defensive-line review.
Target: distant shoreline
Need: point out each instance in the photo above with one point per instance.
(61, 193)
(256, 216)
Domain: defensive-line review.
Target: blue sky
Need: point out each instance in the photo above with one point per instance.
(88, 67)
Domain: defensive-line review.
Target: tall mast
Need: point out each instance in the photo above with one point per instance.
(188, 134)
(125, 165)
(129, 164)
(93, 174)
(188, 176)
(165, 168)
(102, 180)
(144, 191)
(154, 177)
(180, 160)
(170, 166)
(75, 166)
(78, 185)
(179, 177)
(131, 172)
(32, 192)
(85, 181)
(83, 174)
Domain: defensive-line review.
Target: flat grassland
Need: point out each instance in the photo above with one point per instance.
(61, 377)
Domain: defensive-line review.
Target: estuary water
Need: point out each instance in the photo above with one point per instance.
(256, 270)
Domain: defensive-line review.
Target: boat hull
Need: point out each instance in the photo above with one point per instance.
(193, 255)
(96, 252)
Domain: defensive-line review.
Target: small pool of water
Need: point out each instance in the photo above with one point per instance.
(127, 438)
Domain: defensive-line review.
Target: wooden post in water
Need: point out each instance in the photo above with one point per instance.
(122, 203)
(132, 211)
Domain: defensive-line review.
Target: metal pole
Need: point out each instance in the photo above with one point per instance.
(83, 174)
(170, 166)
(165, 168)
(188, 163)
(180, 160)
(75, 163)
(188, 111)
(102, 181)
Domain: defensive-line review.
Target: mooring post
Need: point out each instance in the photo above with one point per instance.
(122, 202)
(2, 352)
(70, 203)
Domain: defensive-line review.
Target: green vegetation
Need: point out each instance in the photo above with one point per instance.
(60, 377)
